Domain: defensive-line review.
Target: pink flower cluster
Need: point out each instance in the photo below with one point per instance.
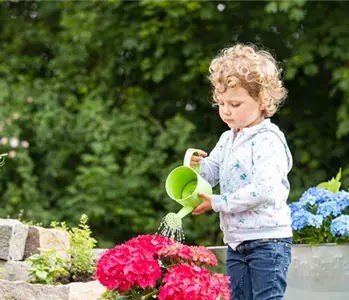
(164, 266)
(126, 266)
(132, 263)
(187, 281)
(199, 255)
(151, 243)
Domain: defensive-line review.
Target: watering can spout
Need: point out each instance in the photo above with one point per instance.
(184, 211)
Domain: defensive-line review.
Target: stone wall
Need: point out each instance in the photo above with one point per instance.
(19, 241)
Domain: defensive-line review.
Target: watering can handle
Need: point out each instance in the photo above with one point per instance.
(187, 157)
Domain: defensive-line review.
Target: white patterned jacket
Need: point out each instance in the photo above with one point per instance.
(251, 167)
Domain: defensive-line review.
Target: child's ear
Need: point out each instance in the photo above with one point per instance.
(262, 106)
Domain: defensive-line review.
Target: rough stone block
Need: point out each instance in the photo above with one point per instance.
(47, 239)
(86, 290)
(14, 270)
(20, 290)
(13, 235)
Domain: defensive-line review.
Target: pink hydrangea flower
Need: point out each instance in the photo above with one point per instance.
(125, 266)
(203, 255)
(177, 251)
(151, 244)
(187, 281)
(223, 282)
(159, 265)
(198, 254)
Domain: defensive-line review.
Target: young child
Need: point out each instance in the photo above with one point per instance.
(251, 162)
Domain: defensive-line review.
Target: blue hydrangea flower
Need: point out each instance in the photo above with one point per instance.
(340, 226)
(295, 206)
(315, 195)
(342, 198)
(339, 202)
(327, 208)
(302, 218)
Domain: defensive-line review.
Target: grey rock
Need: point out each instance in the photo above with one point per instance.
(13, 235)
(14, 270)
(20, 290)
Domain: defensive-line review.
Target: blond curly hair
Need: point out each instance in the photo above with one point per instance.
(254, 69)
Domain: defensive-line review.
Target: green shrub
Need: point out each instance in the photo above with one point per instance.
(46, 267)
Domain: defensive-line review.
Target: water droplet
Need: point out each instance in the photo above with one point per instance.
(171, 227)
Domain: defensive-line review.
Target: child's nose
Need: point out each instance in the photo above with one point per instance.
(226, 110)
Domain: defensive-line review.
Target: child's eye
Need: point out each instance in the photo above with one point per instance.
(235, 105)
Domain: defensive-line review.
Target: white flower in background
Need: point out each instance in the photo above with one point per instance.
(14, 142)
(221, 7)
(25, 144)
(12, 153)
(29, 99)
(4, 140)
(15, 116)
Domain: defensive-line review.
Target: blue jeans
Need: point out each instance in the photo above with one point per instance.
(258, 269)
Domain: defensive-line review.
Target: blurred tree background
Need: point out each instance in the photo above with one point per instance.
(100, 99)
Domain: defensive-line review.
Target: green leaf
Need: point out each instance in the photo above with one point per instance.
(41, 275)
(271, 7)
(311, 69)
(290, 73)
(339, 175)
(297, 14)
(334, 184)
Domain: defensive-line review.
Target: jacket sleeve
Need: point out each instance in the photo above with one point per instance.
(269, 173)
(209, 166)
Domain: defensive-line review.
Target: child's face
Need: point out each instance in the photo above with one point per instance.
(238, 109)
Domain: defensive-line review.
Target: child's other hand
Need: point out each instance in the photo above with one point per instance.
(195, 159)
(204, 206)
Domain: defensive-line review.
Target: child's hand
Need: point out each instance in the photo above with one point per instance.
(195, 159)
(204, 206)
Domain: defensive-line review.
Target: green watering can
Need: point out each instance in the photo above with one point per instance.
(184, 183)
